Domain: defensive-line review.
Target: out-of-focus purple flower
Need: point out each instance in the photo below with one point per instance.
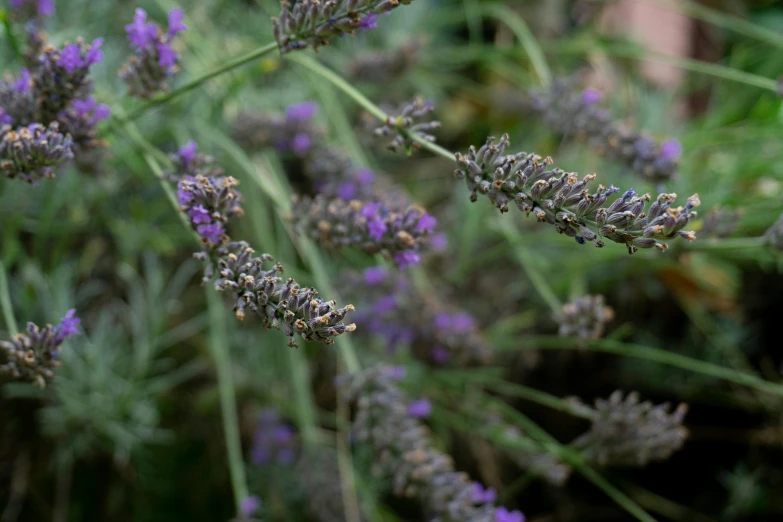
(70, 59)
(84, 107)
(671, 149)
(95, 54)
(370, 210)
(483, 495)
(592, 96)
(166, 55)
(375, 275)
(346, 191)
(249, 506)
(370, 21)
(396, 373)
(462, 322)
(440, 355)
(212, 232)
(141, 33)
(5, 118)
(365, 176)
(199, 214)
(439, 242)
(22, 85)
(443, 321)
(187, 152)
(385, 304)
(68, 325)
(426, 223)
(407, 258)
(376, 228)
(301, 111)
(45, 7)
(273, 441)
(185, 196)
(175, 22)
(301, 144)
(101, 112)
(420, 409)
(504, 515)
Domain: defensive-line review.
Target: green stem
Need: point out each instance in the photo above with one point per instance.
(10, 33)
(529, 43)
(528, 264)
(218, 343)
(5, 303)
(735, 243)
(651, 354)
(196, 82)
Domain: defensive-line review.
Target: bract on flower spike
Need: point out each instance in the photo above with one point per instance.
(561, 199)
(313, 23)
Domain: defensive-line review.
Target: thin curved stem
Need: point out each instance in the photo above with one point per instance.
(651, 354)
(195, 82)
(5, 303)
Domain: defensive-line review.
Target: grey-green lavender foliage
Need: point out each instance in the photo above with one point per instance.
(575, 113)
(584, 317)
(313, 23)
(562, 199)
(627, 432)
(404, 452)
(412, 120)
(279, 303)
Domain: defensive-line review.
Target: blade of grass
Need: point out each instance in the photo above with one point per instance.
(5, 303)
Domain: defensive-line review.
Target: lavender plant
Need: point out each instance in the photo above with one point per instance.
(33, 356)
(626, 432)
(584, 317)
(403, 315)
(576, 114)
(406, 455)
(312, 23)
(292, 132)
(154, 62)
(31, 153)
(561, 199)
(412, 121)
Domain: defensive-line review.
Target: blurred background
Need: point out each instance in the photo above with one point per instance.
(130, 428)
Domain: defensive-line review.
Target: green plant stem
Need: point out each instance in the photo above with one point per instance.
(734, 243)
(651, 354)
(196, 82)
(218, 343)
(5, 303)
(529, 43)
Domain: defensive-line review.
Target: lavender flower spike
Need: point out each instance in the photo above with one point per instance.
(584, 317)
(32, 152)
(280, 304)
(33, 356)
(154, 62)
(412, 121)
(313, 23)
(562, 199)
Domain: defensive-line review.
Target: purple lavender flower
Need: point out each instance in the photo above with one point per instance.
(5, 118)
(299, 112)
(23, 84)
(212, 232)
(199, 214)
(90, 110)
(385, 304)
(395, 373)
(482, 495)
(407, 258)
(274, 440)
(346, 191)
(462, 322)
(671, 149)
(443, 321)
(439, 242)
(70, 59)
(375, 275)
(42, 7)
(249, 506)
(440, 355)
(504, 515)
(45, 7)
(365, 176)
(68, 325)
(592, 96)
(426, 223)
(154, 62)
(175, 23)
(301, 144)
(369, 21)
(420, 409)
(187, 152)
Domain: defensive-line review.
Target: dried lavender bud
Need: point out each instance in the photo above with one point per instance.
(31, 152)
(720, 222)
(316, 471)
(154, 62)
(294, 132)
(399, 312)
(33, 356)
(379, 225)
(626, 432)
(575, 114)
(561, 199)
(274, 441)
(313, 23)
(404, 452)
(280, 304)
(412, 121)
(584, 317)
(382, 67)
(774, 236)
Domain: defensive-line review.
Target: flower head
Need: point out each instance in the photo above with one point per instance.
(175, 23)
(369, 21)
(420, 409)
(301, 111)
